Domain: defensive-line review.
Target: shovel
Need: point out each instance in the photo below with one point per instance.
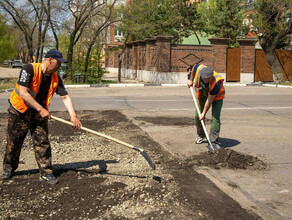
(210, 146)
(142, 152)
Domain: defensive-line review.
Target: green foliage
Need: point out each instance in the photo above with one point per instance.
(63, 42)
(272, 21)
(7, 47)
(148, 18)
(189, 18)
(95, 71)
(222, 18)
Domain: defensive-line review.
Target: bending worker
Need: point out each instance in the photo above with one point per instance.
(29, 104)
(210, 92)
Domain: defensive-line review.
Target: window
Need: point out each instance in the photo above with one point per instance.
(118, 35)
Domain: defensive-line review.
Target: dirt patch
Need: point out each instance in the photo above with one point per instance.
(100, 179)
(167, 121)
(230, 159)
(170, 121)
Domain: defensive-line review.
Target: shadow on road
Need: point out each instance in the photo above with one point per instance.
(226, 142)
(59, 169)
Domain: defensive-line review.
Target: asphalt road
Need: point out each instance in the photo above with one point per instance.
(255, 120)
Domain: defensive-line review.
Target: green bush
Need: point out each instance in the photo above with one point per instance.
(95, 71)
(94, 74)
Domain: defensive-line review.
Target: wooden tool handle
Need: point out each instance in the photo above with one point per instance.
(97, 133)
(199, 113)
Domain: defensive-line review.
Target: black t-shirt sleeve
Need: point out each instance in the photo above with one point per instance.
(61, 90)
(26, 75)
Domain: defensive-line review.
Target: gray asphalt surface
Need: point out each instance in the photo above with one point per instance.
(255, 120)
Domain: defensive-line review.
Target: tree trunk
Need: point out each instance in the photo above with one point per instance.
(38, 58)
(95, 37)
(88, 54)
(276, 67)
(197, 37)
(29, 44)
(120, 60)
(120, 68)
(70, 58)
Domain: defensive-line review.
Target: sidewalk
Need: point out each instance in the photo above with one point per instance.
(114, 77)
(6, 73)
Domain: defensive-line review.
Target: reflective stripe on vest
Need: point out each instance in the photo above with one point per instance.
(197, 68)
(33, 94)
(216, 78)
(19, 104)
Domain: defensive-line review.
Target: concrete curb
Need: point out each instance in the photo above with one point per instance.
(6, 90)
(170, 85)
(123, 85)
(279, 86)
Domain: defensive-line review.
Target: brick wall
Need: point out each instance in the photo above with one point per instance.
(183, 56)
(157, 55)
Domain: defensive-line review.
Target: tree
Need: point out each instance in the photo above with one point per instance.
(103, 19)
(222, 18)
(148, 18)
(82, 13)
(273, 19)
(42, 14)
(29, 16)
(7, 47)
(189, 19)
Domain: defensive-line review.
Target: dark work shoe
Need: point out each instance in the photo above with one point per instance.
(6, 175)
(50, 178)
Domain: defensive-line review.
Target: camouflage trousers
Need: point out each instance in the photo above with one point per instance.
(18, 126)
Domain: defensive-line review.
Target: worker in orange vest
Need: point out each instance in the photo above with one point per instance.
(29, 110)
(210, 92)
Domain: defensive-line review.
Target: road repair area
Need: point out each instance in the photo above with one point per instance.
(250, 178)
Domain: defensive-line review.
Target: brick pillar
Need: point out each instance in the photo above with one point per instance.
(247, 55)
(112, 34)
(141, 55)
(219, 53)
(129, 56)
(135, 57)
(150, 42)
(163, 53)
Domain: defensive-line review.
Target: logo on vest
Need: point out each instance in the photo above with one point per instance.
(23, 76)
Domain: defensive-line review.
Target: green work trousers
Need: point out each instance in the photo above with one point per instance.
(215, 122)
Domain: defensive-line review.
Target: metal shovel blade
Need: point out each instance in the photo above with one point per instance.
(213, 147)
(147, 158)
(210, 147)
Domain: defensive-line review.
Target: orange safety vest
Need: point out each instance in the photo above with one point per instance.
(214, 79)
(19, 104)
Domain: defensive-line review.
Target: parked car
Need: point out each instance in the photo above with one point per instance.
(62, 71)
(17, 63)
(7, 62)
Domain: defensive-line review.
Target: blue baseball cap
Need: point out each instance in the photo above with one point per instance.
(56, 55)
